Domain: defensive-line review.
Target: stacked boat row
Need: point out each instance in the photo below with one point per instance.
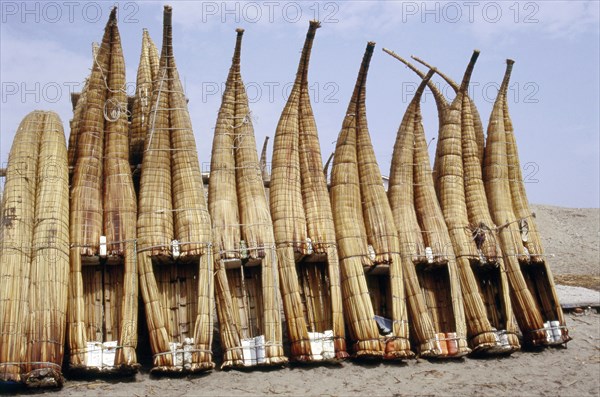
(439, 265)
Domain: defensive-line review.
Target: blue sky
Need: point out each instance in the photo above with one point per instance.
(45, 52)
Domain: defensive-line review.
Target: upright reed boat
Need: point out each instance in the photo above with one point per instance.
(425, 242)
(103, 285)
(246, 280)
(174, 244)
(369, 248)
(488, 307)
(304, 229)
(537, 308)
(34, 254)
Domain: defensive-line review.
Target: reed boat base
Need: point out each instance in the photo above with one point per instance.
(236, 263)
(487, 349)
(43, 378)
(545, 343)
(398, 355)
(310, 258)
(273, 363)
(310, 359)
(196, 368)
(377, 270)
(117, 370)
(168, 259)
(92, 260)
(458, 356)
(427, 266)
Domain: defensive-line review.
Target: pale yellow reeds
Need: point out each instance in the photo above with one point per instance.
(147, 75)
(246, 294)
(34, 254)
(532, 286)
(174, 229)
(103, 293)
(301, 210)
(442, 312)
(362, 213)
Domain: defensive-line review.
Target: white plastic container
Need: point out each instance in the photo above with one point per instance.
(309, 246)
(372, 254)
(175, 347)
(429, 254)
(102, 249)
(259, 344)
(248, 352)
(109, 351)
(93, 356)
(175, 252)
(316, 345)
(328, 345)
(188, 346)
(549, 333)
(556, 332)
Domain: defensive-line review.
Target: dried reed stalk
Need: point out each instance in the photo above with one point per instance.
(362, 215)
(34, 254)
(257, 226)
(172, 206)
(147, 75)
(532, 288)
(236, 165)
(300, 210)
(402, 203)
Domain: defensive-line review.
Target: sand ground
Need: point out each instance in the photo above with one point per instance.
(572, 235)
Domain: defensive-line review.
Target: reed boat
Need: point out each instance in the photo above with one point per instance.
(304, 230)
(438, 322)
(369, 248)
(488, 307)
(246, 279)
(34, 254)
(533, 292)
(174, 246)
(103, 282)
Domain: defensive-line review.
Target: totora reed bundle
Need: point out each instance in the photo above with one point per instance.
(304, 229)
(103, 286)
(147, 75)
(246, 280)
(424, 239)
(174, 230)
(534, 296)
(34, 254)
(439, 98)
(370, 259)
(79, 101)
(486, 293)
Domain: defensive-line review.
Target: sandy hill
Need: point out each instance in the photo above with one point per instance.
(572, 236)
